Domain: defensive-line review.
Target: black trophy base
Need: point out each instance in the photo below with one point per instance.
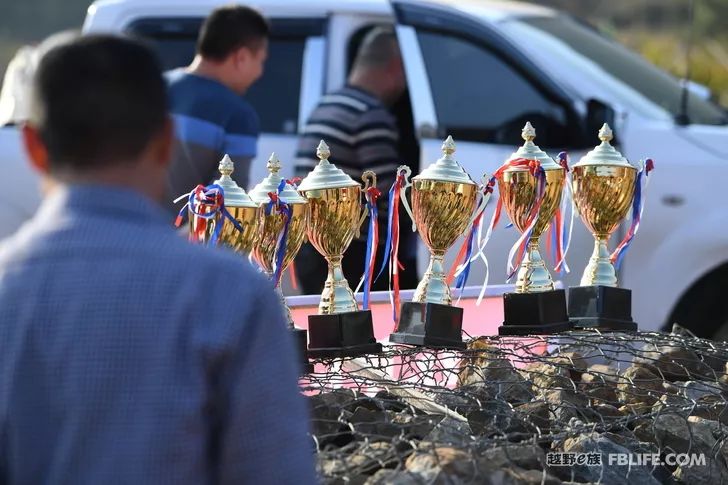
(300, 340)
(602, 308)
(430, 325)
(342, 335)
(534, 313)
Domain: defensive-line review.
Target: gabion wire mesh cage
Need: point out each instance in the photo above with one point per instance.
(570, 408)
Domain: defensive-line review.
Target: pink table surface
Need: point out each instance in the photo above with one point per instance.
(477, 320)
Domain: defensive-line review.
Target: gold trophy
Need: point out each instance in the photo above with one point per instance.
(443, 201)
(334, 199)
(603, 184)
(535, 307)
(240, 235)
(278, 245)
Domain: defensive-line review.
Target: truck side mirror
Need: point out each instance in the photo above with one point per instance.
(597, 113)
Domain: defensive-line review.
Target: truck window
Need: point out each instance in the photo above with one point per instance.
(479, 97)
(275, 96)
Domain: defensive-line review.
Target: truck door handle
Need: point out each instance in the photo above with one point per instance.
(673, 200)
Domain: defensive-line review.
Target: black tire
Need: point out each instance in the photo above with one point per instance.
(703, 309)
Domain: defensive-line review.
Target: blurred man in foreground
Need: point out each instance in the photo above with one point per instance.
(129, 355)
(211, 116)
(362, 134)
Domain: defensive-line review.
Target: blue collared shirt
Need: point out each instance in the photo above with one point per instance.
(130, 356)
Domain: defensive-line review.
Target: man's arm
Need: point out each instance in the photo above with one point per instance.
(241, 143)
(264, 431)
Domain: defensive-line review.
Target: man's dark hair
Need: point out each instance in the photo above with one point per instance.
(227, 29)
(97, 101)
(378, 48)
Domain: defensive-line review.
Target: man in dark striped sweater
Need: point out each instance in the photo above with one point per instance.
(362, 134)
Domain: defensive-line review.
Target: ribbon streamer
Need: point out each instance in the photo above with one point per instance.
(461, 267)
(372, 194)
(391, 247)
(637, 207)
(206, 203)
(559, 236)
(280, 206)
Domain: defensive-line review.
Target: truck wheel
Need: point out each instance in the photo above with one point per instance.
(703, 309)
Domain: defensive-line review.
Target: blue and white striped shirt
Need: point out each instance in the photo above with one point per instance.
(128, 355)
(210, 121)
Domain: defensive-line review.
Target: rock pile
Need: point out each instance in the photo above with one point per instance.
(643, 414)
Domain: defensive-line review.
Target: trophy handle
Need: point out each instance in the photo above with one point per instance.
(483, 201)
(370, 180)
(403, 193)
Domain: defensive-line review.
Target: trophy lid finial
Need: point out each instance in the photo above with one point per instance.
(448, 146)
(322, 151)
(226, 166)
(273, 165)
(529, 132)
(446, 169)
(605, 133)
(604, 154)
(325, 175)
(234, 195)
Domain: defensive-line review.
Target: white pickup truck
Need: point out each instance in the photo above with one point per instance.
(478, 70)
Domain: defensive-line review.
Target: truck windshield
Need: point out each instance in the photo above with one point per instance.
(627, 67)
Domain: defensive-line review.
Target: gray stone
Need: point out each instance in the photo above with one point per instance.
(497, 417)
(450, 431)
(526, 456)
(606, 473)
(373, 425)
(415, 427)
(607, 411)
(547, 376)
(496, 379)
(675, 363)
(599, 383)
(371, 457)
(696, 390)
(537, 413)
(639, 385)
(443, 465)
(393, 477)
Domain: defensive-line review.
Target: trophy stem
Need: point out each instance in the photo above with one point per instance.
(533, 277)
(279, 292)
(433, 288)
(600, 270)
(337, 297)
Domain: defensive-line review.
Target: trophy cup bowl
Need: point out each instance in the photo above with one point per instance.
(442, 212)
(264, 251)
(443, 201)
(334, 201)
(273, 224)
(603, 183)
(240, 206)
(334, 221)
(517, 188)
(536, 307)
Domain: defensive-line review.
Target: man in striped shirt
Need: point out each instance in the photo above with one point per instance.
(362, 134)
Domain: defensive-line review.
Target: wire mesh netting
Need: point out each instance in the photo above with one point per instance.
(576, 407)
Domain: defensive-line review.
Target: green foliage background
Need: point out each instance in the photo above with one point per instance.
(656, 28)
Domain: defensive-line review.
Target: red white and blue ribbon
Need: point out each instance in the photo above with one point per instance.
(559, 236)
(371, 195)
(292, 267)
(518, 251)
(391, 247)
(640, 188)
(277, 205)
(463, 261)
(206, 203)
